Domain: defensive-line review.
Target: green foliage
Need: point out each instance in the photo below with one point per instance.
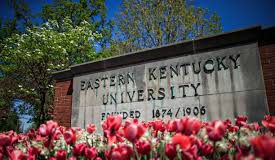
(29, 52)
(9, 119)
(151, 23)
(29, 59)
(92, 11)
(22, 19)
(7, 28)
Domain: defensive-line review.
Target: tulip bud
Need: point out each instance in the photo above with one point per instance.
(182, 140)
(133, 131)
(207, 149)
(143, 147)
(79, 149)
(90, 153)
(5, 140)
(61, 155)
(91, 128)
(170, 151)
(269, 123)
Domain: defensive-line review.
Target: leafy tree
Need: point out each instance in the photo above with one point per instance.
(17, 24)
(7, 28)
(29, 59)
(23, 68)
(92, 11)
(151, 23)
(9, 119)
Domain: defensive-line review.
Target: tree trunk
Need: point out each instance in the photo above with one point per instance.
(42, 108)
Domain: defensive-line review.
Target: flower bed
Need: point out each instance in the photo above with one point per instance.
(185, 138)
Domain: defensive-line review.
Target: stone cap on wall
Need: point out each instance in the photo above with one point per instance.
(188, 47)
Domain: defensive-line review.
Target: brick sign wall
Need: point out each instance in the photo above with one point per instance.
(63, 102)
(268, 65)
(155, 87)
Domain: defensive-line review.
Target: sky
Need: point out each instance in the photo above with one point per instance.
(235, 14)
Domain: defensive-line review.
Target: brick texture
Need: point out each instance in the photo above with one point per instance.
(267, 53)
(63, 102)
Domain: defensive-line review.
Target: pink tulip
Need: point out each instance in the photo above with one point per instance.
(17, 155)
(70, 136)
(241, 121)
(184, 141)
(79, 149)
(207, 149)
(48, 128)
(264, 146)
(133, 131)
(90, 153)
(61, 154)
(143, 147)
(216, 130)
(170, 151)
(91, 128)
(5, 140)
(110, 128)
(269, 123)
(121, 152)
